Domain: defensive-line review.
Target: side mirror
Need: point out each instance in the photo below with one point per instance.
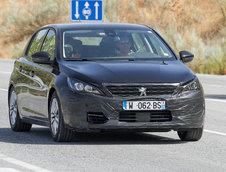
(186, 56)
(41, 57)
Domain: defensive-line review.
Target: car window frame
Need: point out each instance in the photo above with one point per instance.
(32, 38)
(54, 53)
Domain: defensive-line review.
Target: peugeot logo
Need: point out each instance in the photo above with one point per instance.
(142, 91)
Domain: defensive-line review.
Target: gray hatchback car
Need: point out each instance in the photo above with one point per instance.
(104, 77)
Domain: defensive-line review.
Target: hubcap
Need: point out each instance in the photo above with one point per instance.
(54, 116)
(13, 108)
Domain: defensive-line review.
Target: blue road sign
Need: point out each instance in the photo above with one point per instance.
(86, 10)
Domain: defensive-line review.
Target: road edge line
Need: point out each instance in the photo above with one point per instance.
(5, 72)
(22, 164)
(2, 89)
(215, 132)
(217, 100)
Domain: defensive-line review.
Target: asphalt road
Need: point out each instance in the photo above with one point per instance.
(35, 150)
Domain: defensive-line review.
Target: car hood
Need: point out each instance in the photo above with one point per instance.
(129, 72)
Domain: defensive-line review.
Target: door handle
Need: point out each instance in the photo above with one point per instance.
(32, 73)
(20, 68)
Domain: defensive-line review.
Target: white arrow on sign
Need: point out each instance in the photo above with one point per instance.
(96, 8)
(76, 10)
(87, 4)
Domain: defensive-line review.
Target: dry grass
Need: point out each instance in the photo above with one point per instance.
(21, 18)
(195, 25)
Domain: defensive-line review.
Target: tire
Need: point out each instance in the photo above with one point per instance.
(191, 135)
(14, 116)
(56, 122)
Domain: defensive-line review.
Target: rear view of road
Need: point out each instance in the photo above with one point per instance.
(35, 150)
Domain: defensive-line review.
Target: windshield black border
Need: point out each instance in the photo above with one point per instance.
(174, 56)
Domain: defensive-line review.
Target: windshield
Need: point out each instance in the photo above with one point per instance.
(114, 45)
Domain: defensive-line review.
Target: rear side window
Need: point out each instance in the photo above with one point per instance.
(49, 44)
(36, 44)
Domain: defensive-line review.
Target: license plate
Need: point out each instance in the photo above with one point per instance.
(144, 105)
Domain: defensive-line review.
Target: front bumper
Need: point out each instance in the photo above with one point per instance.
(187, 112)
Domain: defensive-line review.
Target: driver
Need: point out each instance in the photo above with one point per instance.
(124, 45)
(73, 48)
(77, 48)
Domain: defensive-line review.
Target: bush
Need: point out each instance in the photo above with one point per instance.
(210, 55)
(22, 20)
(18, 49)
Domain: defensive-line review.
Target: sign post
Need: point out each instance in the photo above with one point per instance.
(86, 10)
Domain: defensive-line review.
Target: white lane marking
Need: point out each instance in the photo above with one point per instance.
(217, 100)
(215, 132)
(22, 164)
(8, 170)
(7, 60)
(2, 89)
(212, 85)
(5, 72)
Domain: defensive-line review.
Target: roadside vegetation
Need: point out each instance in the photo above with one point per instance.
(196, 25)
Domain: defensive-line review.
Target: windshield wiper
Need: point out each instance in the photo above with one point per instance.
(101, 59)
(74, 59)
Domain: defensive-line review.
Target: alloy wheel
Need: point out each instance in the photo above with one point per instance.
(54, 116)
(13, 108)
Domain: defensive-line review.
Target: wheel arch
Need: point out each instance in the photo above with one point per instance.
(51, 91)
(10, 87)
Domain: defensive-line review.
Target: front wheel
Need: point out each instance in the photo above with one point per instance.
(191, 135)
(57, 127)
(14, 116)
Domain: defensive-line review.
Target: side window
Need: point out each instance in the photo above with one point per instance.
(158, 45)
(141, 43)
(49, 43)
(138, 43)
(37, 42)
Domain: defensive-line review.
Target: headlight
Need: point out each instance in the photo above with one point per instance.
(191, 86)
(81, 86)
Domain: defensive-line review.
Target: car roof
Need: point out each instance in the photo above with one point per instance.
(71, 26)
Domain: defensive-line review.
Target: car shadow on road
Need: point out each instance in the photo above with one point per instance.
(42, 136)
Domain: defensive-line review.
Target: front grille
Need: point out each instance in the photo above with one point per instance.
(96, 118)
(144, 116)
(133, 90)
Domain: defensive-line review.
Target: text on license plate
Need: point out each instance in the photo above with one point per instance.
(144, 105)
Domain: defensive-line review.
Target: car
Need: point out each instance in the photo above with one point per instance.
(98, 77)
